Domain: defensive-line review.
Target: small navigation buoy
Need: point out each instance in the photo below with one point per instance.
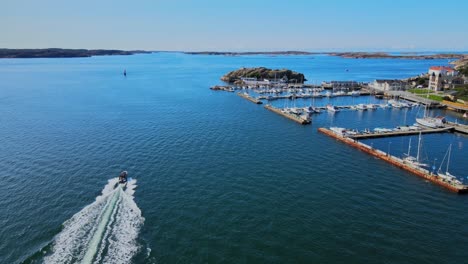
(125, 73)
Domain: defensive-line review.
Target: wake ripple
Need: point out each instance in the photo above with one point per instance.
(105, 231)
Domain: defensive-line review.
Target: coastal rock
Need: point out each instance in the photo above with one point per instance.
(263, 73)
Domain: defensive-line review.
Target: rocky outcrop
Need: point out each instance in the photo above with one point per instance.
(263, 73)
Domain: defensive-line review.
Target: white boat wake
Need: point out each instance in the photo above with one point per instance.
(103, 232)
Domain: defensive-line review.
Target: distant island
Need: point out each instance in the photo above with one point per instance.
(351, 55)
(384, 55)
(261, 73)
(231, 53)
(62, 53)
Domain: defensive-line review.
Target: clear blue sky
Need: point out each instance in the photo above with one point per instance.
(236, 24)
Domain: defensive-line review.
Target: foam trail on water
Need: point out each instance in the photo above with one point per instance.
(102, 232)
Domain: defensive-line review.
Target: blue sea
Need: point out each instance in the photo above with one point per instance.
(216, 179)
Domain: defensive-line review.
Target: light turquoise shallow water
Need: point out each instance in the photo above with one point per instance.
(219, 178)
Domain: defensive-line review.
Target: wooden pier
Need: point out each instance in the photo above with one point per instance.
(425, 174)
(292, 117)
(250, 98)
(400, 133)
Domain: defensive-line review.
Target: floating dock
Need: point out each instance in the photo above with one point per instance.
(292, 117)
(460, 128)
(425, 174)
(250, 98)
(400, 133)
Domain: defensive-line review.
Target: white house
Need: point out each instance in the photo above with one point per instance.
(443, 70)
(439, 76)
(388, 85)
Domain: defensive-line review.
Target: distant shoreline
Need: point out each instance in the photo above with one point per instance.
(63, 53)
(385, 55)
(353, 55)
(232, 53)
(81, 53)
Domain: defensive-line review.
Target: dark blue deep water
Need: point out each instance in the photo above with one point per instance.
(220, 180)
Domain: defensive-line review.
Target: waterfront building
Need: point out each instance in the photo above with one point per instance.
(340, 84)
(441, 77)
(388, 85)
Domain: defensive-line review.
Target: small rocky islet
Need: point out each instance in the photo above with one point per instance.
(263, 73)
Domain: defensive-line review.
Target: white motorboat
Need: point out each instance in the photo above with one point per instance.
(332, 108)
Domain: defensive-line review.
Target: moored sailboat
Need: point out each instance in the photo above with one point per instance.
(432, 122)
(446, 175)
(414, 161)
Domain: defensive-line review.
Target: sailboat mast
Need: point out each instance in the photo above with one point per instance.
(409, 147)
(448, 159)
(419, 147)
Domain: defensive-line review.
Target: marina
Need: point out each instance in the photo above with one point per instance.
(450, 183)
(303, 115)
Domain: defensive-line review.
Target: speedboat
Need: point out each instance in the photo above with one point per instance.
(371, 106)
(123, 177)
(361, 107)
(394, 103)
(332, 108)
(382, 130)
(305, 117)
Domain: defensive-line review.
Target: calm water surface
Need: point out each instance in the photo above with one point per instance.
(219, 178)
